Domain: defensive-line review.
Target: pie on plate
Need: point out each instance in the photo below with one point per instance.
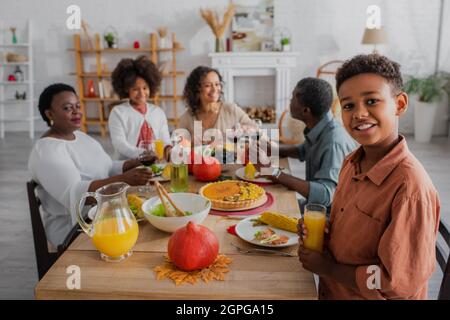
(234, 195)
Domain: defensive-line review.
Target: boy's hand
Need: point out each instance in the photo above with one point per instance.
(303, 233)
(319, 263)
(316, 262)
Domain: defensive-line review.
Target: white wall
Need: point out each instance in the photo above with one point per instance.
(322, 30)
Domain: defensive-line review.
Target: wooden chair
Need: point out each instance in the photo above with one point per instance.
(296, 127)
(328, 70)
(44, 258)
(444, 291)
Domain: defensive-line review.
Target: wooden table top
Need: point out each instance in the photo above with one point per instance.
(250, 277)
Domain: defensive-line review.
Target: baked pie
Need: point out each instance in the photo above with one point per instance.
(234, 195)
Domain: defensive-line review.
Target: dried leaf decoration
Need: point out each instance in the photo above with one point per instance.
(215, 271)
(212, 19)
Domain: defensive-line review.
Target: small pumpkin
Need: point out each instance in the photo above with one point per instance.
(193, 247)
(209, 170)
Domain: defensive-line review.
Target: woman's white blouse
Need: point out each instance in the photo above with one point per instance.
(64, 170)
(125, 125)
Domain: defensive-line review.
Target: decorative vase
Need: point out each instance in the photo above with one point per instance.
(220, 47)
(424, 114)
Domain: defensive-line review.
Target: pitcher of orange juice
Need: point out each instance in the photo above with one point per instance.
(114, 230)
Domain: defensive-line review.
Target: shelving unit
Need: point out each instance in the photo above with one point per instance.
(100, 54)
(14, 110)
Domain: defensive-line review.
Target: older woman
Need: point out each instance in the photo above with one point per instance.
(66, 162)
(203, 97)
(136, 120)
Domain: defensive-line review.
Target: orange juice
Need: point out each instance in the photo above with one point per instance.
(315, 224)
(159, 149)
(115, 237)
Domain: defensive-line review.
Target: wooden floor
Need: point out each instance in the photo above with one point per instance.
(18, 274)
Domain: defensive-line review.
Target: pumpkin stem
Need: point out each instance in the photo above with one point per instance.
(191, 226)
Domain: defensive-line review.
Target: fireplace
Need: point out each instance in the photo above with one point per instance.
(257, 64)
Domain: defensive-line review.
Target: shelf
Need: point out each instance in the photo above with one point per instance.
(17, 110)
(117, 100)
(102, 104)
(108, 74)
(26, 63)
(126, 50)
(19, 119)
(12, 83)
(13, 101)
(13, 45)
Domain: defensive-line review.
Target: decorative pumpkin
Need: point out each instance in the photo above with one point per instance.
(193, 247)
(208, 170)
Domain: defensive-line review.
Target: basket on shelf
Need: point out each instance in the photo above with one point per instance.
(15, 57)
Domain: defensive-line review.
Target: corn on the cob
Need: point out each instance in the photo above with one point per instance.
(279, 220)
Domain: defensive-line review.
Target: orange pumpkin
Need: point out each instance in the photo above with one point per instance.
(209, 170)
(193, 247)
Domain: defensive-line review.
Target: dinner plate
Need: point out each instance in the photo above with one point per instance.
(246, 231)
(240, 173)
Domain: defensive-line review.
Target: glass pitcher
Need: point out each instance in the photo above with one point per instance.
(114, 230)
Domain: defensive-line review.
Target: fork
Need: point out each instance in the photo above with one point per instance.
(262, 251)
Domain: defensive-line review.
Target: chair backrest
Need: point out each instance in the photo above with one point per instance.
(444, 291)
(44, 258)
(327, 71)
(290, 130)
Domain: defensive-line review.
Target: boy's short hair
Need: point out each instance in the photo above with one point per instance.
(371, 63)
(315, 94)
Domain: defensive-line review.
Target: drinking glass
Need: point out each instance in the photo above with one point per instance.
(148, 155)
(314, 220)
(159, 149)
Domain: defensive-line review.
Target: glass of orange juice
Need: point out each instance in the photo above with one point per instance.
(314, 220)
(159, 149)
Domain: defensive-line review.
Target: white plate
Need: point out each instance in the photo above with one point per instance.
(240, 173)
(246, 231)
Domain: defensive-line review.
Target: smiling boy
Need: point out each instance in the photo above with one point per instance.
(385, 212)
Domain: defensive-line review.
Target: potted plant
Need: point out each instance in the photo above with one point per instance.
(426, 93)
(110, 40)
(286, 44)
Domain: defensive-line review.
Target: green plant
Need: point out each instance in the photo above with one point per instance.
(109, 38)
(285, 41)
(428, 89)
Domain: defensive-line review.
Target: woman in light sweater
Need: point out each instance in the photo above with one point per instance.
(203, 97)
(66, 162)
(136, 120)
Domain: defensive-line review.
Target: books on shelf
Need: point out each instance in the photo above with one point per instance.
(105, 89)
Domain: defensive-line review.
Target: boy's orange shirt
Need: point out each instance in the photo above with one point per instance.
(388, 217)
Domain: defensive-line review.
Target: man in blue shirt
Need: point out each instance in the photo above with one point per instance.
(326, 143)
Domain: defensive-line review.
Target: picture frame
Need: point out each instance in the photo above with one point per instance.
(252, 24)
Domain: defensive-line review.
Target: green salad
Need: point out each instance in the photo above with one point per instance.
(159, 211)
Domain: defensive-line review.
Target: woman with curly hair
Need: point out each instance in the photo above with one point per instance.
(203, 97)
(136, 120)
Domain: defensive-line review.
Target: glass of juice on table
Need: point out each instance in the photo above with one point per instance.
(314, 220)
(159, 149)
(114, 230)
